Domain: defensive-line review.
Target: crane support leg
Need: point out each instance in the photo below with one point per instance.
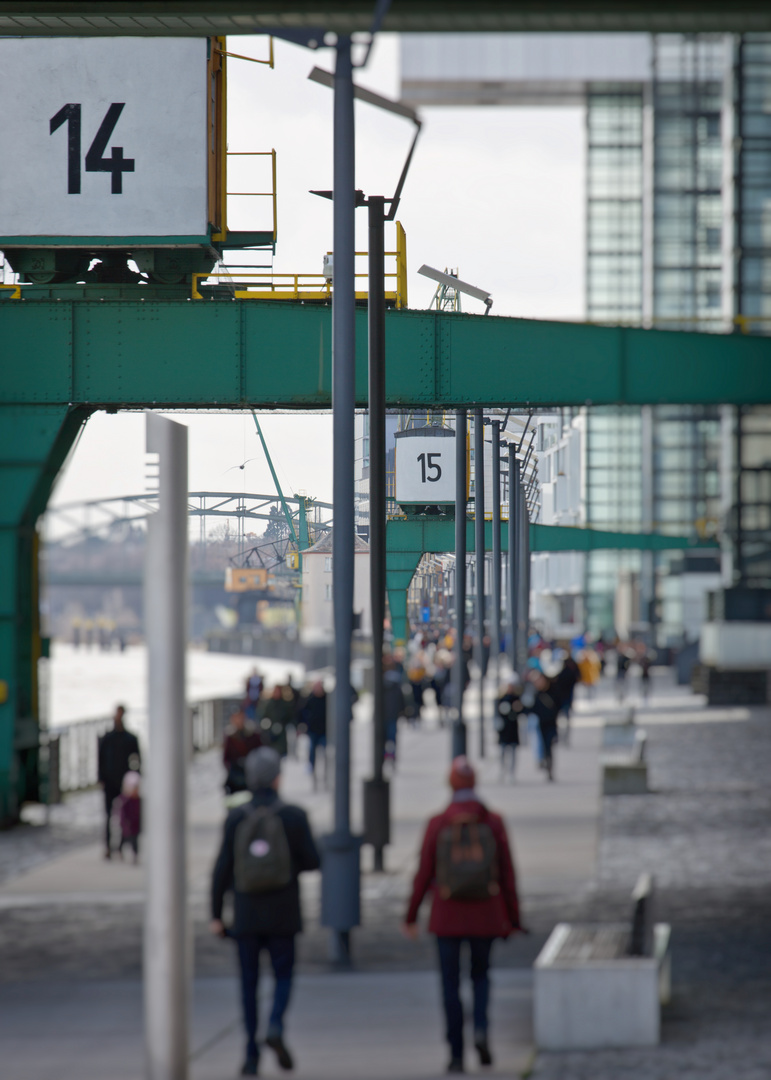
(34, 441)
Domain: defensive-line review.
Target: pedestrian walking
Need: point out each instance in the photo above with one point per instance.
(241, 737)
(646, 663)
(394, 705)
(266, 845)
(590, 670)
(277, 715)
(466, 862)
(313, 717)
(622, 669)
(291, 696)
(416, 676)
(546, 709)
(564, 685)
(439, 682)
(130, 815)
(117, 754)
(485, 656)
(254, 687)
(509, 710)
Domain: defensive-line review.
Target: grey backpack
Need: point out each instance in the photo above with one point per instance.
(262, 860)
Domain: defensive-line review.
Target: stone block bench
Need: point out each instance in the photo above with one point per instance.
(598, 986)
(623, 764)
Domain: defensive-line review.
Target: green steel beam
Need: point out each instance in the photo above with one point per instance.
(165, 354)
(196, 18)
(408, 540)
(437, 536)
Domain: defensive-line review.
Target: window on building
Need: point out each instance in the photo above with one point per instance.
(327, 565)
(327, 592)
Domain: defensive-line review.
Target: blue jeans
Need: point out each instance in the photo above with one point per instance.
(449, 966)
(534, 736)
(281, 952)
(315, 742)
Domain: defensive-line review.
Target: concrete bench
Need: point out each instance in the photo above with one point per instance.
(598, 986)
(624, 768)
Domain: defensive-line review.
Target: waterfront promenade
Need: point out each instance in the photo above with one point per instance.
(70, 924)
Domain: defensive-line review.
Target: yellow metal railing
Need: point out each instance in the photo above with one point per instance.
(260, 194)
(252, 59)
(273, 286)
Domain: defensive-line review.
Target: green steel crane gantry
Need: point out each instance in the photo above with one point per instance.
(65, 359)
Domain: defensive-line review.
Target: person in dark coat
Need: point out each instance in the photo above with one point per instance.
(509, 710)
(313, 716)
(546, 709)
(277, 714)
(564, 685)
(485, 655)
(623, 664)
(118, 753)
(439, 682)
(293, 699)
(241, 737)
(264, 920)
(394, 704)
(479, 922)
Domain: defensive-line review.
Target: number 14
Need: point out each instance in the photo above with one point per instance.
(116, 164)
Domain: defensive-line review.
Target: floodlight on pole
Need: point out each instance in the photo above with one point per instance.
(397, 108)
(452, 282)
(326, 78)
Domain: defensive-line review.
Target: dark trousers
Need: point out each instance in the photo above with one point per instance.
(449, 966)
(132, 841)
(315, 741)
(109, 798)
(281, 952)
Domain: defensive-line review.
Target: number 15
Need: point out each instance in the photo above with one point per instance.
(428, 460)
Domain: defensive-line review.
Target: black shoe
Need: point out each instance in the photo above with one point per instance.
(278, 1046)
(249, 1067)
(483, 1049)
(456, 1065)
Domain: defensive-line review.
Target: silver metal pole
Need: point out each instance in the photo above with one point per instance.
(513, 604)
(340, 889)
(495, 621)
(522, 578)
(479, 560)
(166, 933)
(458, 730)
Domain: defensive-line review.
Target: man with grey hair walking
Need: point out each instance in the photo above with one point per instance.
(266, 845)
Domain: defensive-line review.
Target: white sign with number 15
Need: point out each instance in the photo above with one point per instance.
(425, 470)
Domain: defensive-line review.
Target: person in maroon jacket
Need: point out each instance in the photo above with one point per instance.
(241, 737)
(454, 920)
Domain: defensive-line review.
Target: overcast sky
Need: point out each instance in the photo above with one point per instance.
(496, 193)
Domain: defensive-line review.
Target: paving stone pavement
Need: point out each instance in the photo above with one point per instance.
(705, 834)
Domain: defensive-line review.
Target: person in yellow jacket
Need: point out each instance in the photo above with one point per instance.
(590, 668)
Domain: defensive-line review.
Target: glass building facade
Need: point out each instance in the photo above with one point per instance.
(614, 205)
(678, 222)
(678, 236)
